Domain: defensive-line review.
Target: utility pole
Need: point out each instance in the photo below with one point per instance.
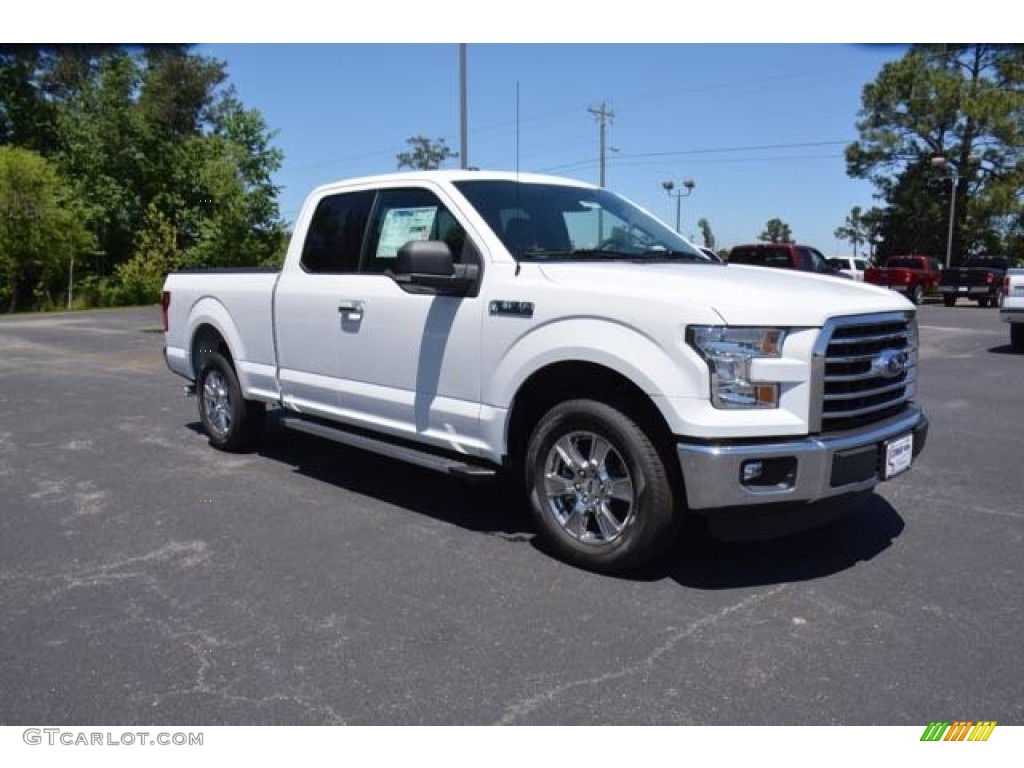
(463, 119)
(604, 117)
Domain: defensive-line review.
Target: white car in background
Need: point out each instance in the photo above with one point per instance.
(850, 266)
(1012, 309)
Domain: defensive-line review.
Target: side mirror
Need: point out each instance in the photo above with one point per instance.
(429, 263)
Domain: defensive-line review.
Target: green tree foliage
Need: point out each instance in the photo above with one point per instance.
(854, 230)
(776, 231)
(706, 233)
(961, 102)
(40, 230)
(149, 138)
(138, 280)
(425, 154)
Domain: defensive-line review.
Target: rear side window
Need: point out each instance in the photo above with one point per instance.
(775, 257)
(745, 256)
(335, 237)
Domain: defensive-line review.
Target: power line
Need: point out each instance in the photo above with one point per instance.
(708, 151)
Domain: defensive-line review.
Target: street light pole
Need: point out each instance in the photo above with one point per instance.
(940, 161)
(954, 179)
(686, 191)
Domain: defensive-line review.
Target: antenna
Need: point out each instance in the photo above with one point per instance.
(517, 130)
(463, 115)
(519, 264)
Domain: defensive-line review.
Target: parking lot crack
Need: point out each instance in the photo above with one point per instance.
(520, 709)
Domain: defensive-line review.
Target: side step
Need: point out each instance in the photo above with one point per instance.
(420, 458)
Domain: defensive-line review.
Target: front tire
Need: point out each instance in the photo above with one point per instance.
(983, 302)
(1017, 336)
(231, 422)
(599, 488)
(949, 299)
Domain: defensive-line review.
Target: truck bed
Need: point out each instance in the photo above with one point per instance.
(238, 298)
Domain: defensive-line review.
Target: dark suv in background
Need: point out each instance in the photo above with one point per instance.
(784, 256)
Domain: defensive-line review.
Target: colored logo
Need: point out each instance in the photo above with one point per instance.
(959, 730)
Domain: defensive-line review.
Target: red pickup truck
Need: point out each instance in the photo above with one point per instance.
(913, 276)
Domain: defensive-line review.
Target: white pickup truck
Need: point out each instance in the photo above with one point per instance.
(473, 322)
(1012, 309)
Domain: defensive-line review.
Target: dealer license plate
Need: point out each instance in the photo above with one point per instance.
(898, 455)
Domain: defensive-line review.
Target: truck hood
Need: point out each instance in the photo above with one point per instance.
(741, 295)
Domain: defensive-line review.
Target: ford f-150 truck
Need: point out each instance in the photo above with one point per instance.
(979, 278)
(913, 276)
(1012, 311)
(475, 322)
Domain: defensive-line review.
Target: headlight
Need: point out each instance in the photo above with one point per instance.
(728, 352)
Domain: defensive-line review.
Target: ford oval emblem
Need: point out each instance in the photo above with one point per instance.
(890, 363)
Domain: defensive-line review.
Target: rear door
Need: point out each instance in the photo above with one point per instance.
(307, 322)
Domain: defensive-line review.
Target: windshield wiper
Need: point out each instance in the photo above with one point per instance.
(661, 254)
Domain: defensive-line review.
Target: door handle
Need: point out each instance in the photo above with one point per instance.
(352, 309)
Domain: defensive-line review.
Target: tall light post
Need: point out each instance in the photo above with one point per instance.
(942, 163)
(686, 191)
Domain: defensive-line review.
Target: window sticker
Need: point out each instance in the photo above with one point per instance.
(402, 225)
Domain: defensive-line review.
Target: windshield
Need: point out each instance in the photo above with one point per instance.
(552, 222)
(814, 262)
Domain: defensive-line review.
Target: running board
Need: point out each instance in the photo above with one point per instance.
(404, 453)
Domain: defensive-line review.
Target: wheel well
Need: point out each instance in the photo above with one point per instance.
(573, 380)
(205, 342)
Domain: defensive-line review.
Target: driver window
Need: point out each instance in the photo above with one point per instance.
(403, 215)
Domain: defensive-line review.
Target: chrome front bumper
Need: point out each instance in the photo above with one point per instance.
(809, 469)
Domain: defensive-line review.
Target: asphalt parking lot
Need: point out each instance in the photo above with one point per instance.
(148, 579)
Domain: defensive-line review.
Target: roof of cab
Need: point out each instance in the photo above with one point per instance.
(451, 175)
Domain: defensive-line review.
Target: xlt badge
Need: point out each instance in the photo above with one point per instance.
(514, 308)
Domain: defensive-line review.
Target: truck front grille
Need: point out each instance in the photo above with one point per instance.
(865, 370)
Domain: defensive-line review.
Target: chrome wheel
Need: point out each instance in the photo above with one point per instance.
(217, 403)
(588, 490)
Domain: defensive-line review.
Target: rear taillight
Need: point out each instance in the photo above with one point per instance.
(1006, 284)
(165, 303)
(988, 278)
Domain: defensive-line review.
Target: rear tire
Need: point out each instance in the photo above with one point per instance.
(949, 299)
(231, 422)
(983, 302)
(916, 295)
(601, 492)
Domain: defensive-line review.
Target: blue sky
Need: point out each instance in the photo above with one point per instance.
(760, 128)
(754, 101)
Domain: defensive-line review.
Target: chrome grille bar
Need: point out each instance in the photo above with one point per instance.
(851, 383)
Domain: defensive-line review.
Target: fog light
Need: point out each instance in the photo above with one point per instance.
(751, 470)
(776, 474)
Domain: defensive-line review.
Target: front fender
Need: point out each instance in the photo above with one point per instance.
(665, 367)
